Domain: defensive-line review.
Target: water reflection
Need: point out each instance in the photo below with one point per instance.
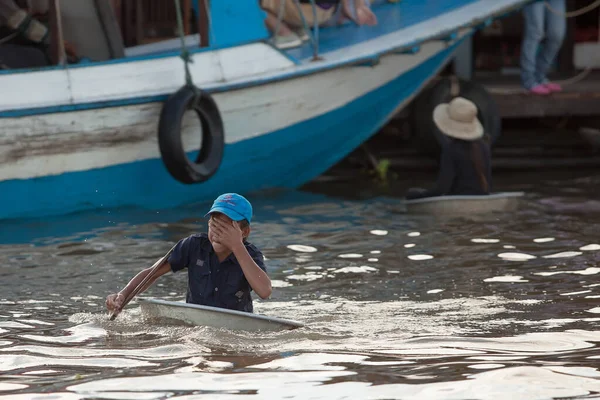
(590, 247)
(516, 256)
(491, 368)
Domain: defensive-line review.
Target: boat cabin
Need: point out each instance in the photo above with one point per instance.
(84, 31)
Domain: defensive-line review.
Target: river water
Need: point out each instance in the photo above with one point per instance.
(396, 306)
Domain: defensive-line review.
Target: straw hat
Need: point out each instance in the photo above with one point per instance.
(458, 119)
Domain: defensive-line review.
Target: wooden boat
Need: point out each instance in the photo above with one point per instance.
(111, 128)
(447, 205)
(193, 314)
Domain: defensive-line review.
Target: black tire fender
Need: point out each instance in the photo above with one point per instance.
(427, 137)
(169, 135)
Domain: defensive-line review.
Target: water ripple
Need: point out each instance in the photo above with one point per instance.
(453, 320)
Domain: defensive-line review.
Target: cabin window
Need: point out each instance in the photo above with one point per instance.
(150, 21)
(81, 31)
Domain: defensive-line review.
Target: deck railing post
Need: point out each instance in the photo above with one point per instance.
(316, 31)
(58, 55)
(314, 39)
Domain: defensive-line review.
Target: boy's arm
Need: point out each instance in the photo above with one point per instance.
(256, 276)
(140, 277)
(114, 301)
(177, 260)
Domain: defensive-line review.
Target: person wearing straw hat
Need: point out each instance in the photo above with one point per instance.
(465, 165)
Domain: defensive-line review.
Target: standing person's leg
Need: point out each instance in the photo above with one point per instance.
(556, 27)
(533, 33)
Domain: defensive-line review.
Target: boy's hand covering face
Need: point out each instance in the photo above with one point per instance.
(226, 233)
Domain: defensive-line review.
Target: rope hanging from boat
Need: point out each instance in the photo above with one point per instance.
(170, 126)
(185, 54)
(576, 13)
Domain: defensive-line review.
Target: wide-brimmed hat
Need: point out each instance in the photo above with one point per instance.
(458, 119)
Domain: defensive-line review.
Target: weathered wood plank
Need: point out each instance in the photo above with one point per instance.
(556, 105)
(581, 98)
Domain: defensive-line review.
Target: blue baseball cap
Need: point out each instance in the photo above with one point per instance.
(233, 205)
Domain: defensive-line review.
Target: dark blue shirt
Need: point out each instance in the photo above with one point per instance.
(465, 169)
(210, 282)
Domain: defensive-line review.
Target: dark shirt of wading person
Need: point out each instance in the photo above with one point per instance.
(222, 266)
(465, 165)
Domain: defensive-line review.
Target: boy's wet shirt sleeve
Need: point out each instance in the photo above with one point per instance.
(179, 258)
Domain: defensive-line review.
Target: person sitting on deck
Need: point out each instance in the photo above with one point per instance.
(223, 267)
(357, 11)
(465, 166)
(23, 37)
(21, 23)
(291, 29)
(25, 40)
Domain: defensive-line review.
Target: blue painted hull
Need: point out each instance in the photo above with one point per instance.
(287, 158)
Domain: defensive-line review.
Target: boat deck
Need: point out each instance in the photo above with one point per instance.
(391, 18)
(414, 21)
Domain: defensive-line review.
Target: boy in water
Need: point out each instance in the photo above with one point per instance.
(222, 266)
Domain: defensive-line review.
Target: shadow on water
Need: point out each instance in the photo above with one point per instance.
(395, 305)
(82, 225)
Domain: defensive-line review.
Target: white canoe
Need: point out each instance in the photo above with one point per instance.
(447, 205)
(194, 314)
